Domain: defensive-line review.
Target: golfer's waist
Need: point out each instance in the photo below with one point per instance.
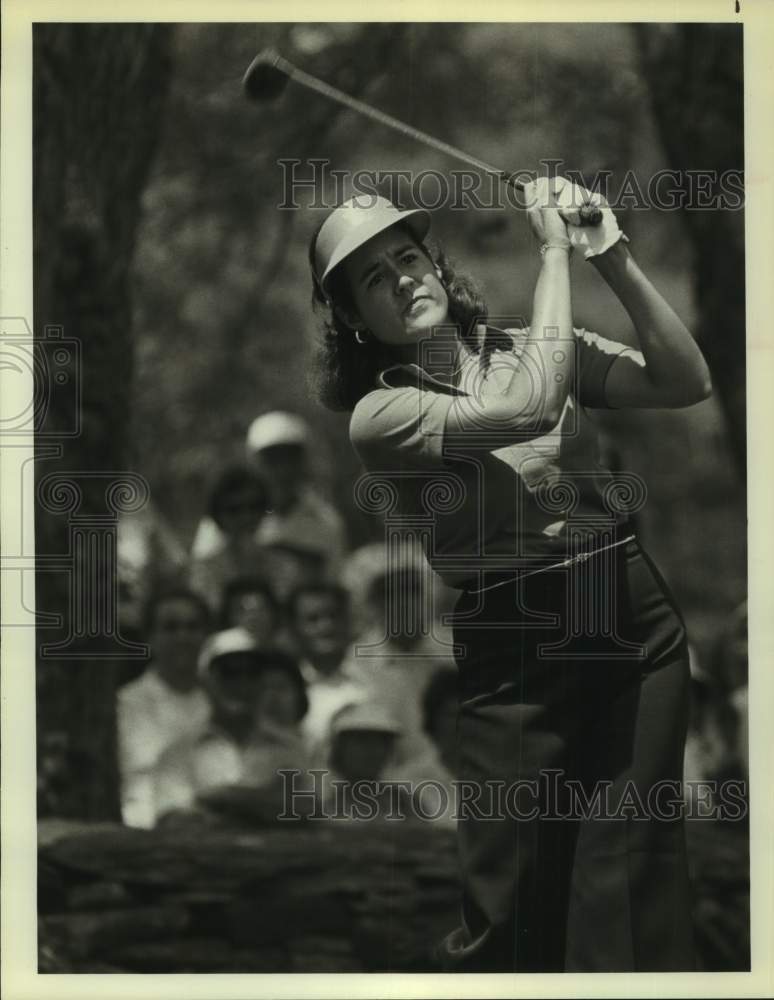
(550, 563)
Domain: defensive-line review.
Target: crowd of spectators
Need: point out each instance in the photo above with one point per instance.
(275, 649)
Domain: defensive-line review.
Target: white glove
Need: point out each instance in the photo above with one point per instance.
(593, 240)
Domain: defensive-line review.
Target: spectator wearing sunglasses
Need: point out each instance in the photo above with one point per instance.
(237, 506)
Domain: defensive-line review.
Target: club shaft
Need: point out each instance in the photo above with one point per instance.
(334, 94)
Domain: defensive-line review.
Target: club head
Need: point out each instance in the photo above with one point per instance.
(265, 79)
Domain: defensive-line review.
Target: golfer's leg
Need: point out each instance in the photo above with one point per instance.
(515, 868)
(630, 905)
(518, 714)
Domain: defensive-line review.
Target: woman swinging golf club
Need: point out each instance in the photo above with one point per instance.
(573, 663)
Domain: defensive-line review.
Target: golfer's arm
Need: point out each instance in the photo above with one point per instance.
(525, 392)
(674, 372)
(551, 339)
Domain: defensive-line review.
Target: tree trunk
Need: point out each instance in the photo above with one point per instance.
(694, 72)
(98, 94)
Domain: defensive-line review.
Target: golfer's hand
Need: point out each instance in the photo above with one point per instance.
(543, 211)
(592, 240)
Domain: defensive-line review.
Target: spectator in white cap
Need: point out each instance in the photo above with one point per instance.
(276, 429)
(278, 446)
(257, 698)
(363, 736)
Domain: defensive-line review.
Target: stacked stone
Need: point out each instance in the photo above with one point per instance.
(334, 897)
(337, 897)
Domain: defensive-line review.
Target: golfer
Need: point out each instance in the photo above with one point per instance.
(572, 654)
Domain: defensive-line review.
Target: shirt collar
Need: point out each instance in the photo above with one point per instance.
(400, 376)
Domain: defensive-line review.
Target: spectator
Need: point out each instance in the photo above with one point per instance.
(165, 704)
(150, 558)
(363, 737)
(249, 602)
(368, 562)
(740, 704)
(281, 705)
(236, 508)
(291, 565)
(398, 655)
(257, 699)
(713, 749)
(708, 752)
(277, 448)
(319, 623)
(730, 658)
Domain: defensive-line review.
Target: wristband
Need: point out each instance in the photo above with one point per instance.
(555, 246)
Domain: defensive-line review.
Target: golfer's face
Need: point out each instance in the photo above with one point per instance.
(396, 290)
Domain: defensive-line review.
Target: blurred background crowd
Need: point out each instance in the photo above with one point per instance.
(270, 649)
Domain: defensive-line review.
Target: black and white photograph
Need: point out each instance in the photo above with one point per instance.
(376, 527)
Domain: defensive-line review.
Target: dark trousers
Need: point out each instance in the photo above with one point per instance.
(554, 882)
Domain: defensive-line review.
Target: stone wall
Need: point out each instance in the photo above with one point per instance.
(335, 897)
(338, 897)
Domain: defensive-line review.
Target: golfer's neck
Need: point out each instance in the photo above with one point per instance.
(443, 363)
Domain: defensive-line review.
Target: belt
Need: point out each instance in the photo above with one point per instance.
(575, 560)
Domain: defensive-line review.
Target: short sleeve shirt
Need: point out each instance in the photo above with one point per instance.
(151, 716)
(493, 504)
(194, 765)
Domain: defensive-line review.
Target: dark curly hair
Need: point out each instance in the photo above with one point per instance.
(346, 370)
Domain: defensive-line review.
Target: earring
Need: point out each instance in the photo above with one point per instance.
(360, 338)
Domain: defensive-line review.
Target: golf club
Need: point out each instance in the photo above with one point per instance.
(268, 75)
